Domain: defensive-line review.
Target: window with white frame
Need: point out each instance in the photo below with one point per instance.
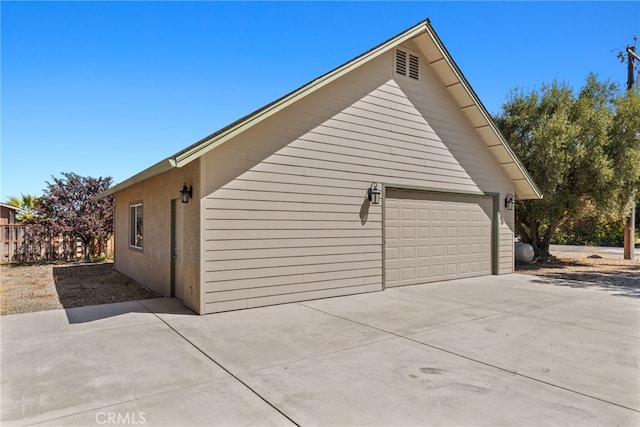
(407, 64)
(135, 226)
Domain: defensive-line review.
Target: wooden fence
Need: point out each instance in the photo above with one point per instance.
(15, 248)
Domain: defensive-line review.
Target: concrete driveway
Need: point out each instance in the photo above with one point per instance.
(507, 350)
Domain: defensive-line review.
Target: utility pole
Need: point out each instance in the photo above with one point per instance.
(632, 56)
(629, 224)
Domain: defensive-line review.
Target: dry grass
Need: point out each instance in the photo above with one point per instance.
(601, 271)
(29, 288)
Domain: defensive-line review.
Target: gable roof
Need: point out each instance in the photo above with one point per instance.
(443, 65)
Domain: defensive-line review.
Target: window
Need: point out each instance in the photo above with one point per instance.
(407, 64)
(135, 226)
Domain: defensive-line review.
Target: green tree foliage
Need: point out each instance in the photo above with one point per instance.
(27, 203)
(68, 208)
(582, 149)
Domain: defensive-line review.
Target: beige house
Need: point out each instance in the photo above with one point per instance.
(280, 208)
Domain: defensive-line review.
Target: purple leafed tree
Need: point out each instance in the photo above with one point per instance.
(69, 208)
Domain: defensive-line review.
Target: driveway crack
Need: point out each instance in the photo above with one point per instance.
(247, 386)
(453, 353)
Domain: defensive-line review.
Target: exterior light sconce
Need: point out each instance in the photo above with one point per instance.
(374, 194)
(509, 202)
(186, 193)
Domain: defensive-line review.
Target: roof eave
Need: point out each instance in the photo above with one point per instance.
(527, 191)
(212, 141)
(150, 172)
(532, 192)
(218, 138)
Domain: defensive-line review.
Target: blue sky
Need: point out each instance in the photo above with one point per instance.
(110, 88)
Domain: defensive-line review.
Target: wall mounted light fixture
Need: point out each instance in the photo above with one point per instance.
(374, 194)
(186, 193)
(509, 202)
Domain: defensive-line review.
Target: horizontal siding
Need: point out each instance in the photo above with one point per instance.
(278, 252)
(265, 267)
(286, 216)
(506, 261)
(300, 245)
(275, 283)
(220, 234)
(310, 266)
(263, 291)
(238, 304)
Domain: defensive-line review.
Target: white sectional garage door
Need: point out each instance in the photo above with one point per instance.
(435, 236)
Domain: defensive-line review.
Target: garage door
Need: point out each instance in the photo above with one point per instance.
(435, 236)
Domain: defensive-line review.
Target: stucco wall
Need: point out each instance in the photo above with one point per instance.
(151, 266)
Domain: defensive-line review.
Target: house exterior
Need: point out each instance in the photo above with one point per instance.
(280, 208)
(8, 214)
(11, 232)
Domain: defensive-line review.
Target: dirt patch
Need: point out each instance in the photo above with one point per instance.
(29, 288)
(601, 271)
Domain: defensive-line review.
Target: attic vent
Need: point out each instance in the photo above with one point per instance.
(401, 62)
(414, 72)
(407, 64)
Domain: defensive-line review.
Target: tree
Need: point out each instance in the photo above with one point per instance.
(583, 151)
(27, 203)
(68, 207)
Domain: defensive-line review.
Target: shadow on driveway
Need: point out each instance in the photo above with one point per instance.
(161, 306)
(591, 281)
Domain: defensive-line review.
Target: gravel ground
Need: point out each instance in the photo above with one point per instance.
(28, 288)
(595, 270)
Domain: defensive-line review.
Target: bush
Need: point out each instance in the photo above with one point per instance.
(592, 231)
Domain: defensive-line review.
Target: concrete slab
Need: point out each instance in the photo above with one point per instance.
(400, 312)
(271, 336)
(505, 350)
(52, 370)
(599, 364)
(402, 383)
(93, 318)
(539, 297)
(223, 402)
(512, 293)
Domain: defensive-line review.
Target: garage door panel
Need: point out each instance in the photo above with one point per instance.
(408, 233)
(408, 214)
(392, 275)
(392, 254)
(435, 236)
(392, 233)
(408, 252)
(392, 213)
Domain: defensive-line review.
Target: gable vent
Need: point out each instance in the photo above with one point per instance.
(407, 64)
(414, 71)
(401, 62)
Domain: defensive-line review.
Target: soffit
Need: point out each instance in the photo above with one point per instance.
(447, 71)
